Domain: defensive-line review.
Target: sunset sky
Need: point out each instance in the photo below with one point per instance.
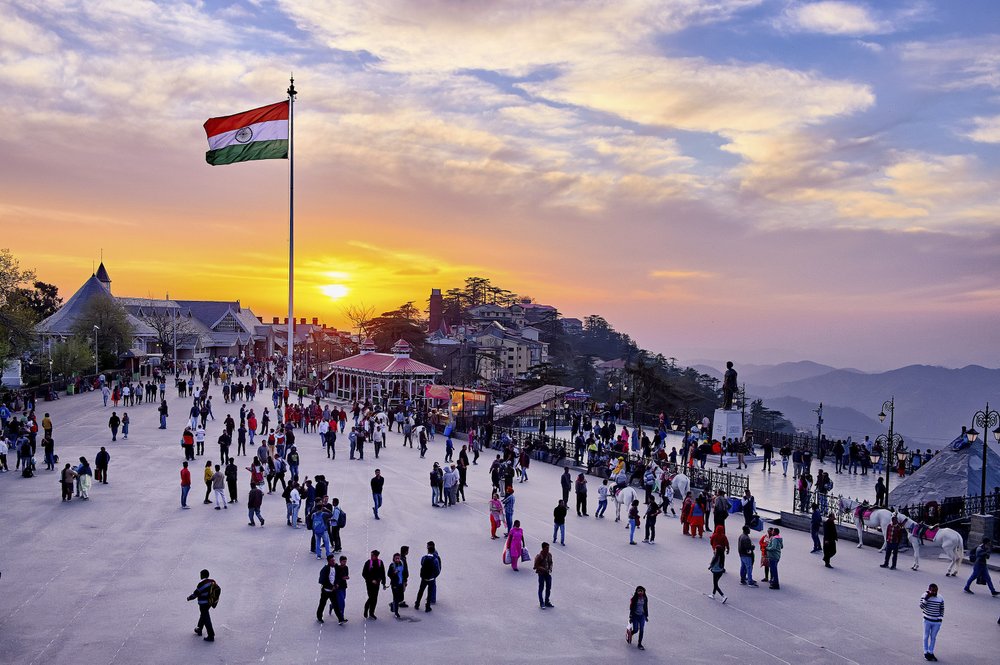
(760, 180)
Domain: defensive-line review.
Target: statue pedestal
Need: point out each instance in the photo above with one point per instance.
(980, 526)
(727, 425)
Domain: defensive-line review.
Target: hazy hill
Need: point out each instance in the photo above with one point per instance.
(768, 375)
(838, 422)
(932, 403)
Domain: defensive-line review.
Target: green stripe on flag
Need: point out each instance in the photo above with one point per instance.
(276, 149)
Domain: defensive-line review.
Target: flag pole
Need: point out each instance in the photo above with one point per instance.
(291, 234)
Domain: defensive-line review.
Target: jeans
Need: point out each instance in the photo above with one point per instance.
(508, 517)
(773, 565)
(631, 531)
(559, 529)
(325, 596)
(601, 507)
(931, 629)
(784, 465)
(293, 514)
(815, 536)
(255, 511)
(431, 587)
(205, 620)
(376, 502)
(322, 539)
(163, 422)
(822, 503)
(976, 572)
(746, 569)
(638, 626)
(184, 494)
(544, 587)
(891, 549)
(114, 433)
(339, 600)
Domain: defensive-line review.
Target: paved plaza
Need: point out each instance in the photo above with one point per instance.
(105, 580)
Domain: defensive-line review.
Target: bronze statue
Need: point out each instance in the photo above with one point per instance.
(728, 386)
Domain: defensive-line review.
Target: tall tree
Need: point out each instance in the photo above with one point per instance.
(360, 316)
(16, 318)
(71, 357)
(114, 334)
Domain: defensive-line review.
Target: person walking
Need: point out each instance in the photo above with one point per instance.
(232, 474)
(652, 510)
(508, 507)
(125, 423)
(430, 569)
(566, 482)
(327, 593)
(207, 593)
(514, 544)
(638, 615)
(101, 462)
(341, 574)
(774, 547)
(602, 500)
(114, 422)
(164, 411)
(815, 526)
(745, 550)
(185, 485)
(581, 495)
(207, 476)
(720, 548)
(255, 499)
(373, 573)
(294, 504)
(559, 523)
(633, 521)
(830, 538)
(219, 488)
(85, 477)
(496, 515)
(980, 571)
(376, 484)
(397, 583)
(543, 568)
(893, 536)
(932, 606)
(68, 479)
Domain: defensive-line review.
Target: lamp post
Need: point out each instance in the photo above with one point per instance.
(892, 444)
(985, 419)
(96, 353)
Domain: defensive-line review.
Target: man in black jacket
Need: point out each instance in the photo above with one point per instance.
(203, 592)
(745, 548)
(373, 573)
(567, 484)
(430, 568)
(232, 476)
(326, 592)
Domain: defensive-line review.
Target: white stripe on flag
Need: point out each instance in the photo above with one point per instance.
(260, 131)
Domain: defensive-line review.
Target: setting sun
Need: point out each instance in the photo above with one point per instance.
(334, 291)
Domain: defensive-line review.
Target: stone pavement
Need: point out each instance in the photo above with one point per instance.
(104, 581)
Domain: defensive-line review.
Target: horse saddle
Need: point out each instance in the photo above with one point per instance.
(923, 531)
(864, 513)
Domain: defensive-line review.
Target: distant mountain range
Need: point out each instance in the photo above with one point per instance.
(932, 403)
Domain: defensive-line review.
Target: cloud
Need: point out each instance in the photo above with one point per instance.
(833, 17)
(958, 63)
(986, 129)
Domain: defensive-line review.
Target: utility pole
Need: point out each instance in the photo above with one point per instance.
(819, 427)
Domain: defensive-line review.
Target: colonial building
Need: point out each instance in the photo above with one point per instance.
(372, 375)
(205, 328)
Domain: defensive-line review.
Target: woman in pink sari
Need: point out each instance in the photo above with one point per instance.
(515, 543)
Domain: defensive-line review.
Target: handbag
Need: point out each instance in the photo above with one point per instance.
(506, 556)
(524, 555)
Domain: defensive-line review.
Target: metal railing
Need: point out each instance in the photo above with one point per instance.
(828, 503)
(557, 449)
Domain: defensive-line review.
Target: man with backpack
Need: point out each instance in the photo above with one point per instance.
(338, 520)
(327, 592)
(207, 592)
(430, 568)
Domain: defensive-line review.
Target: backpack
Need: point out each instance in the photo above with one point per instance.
(341, 520)
(214, 593)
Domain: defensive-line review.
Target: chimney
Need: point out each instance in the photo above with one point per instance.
(302, 321)
(275, 320)
(315, 321)
(285, 322)
(260, 319)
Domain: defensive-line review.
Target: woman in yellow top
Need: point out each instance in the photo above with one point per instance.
(208, 480)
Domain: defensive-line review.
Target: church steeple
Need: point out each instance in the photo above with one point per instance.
(103, 277)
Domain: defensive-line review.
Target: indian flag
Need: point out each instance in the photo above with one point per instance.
(256, 134)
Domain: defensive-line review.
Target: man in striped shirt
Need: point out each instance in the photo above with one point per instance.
(932, 606)
(203, 592)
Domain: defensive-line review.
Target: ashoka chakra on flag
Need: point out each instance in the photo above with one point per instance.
(256, 134)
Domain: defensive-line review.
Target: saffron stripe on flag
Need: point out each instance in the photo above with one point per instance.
(278, 111)
(244, 152)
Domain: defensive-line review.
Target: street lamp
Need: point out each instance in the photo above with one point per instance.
(96, 354)
(985, 419)
(891, 443)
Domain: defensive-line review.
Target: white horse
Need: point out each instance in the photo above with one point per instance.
(625, 496)
(947, 539)
(678, 487)
(879, 518)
